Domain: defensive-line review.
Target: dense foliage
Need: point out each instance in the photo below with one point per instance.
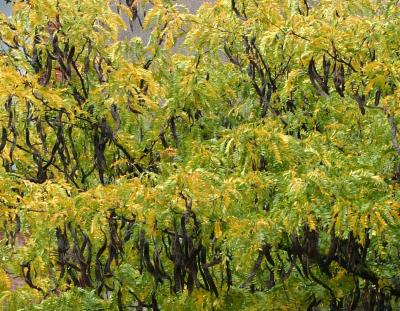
(245, 157)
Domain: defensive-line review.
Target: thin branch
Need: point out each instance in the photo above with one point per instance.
(393, 126)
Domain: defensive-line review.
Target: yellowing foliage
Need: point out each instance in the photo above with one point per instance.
(243, 157)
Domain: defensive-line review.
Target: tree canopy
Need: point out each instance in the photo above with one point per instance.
(243, 157)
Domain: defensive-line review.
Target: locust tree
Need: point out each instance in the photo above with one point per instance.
(243, 157)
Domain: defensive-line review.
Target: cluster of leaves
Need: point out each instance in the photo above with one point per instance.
(243, 157)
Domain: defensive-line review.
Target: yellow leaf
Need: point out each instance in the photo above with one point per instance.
(5, 282)
(227, 200)
(311, 222)
(217, 229)
(277, 153)
(378, 81)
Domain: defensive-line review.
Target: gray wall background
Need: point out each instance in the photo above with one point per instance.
(5, 7)
(193, 5)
